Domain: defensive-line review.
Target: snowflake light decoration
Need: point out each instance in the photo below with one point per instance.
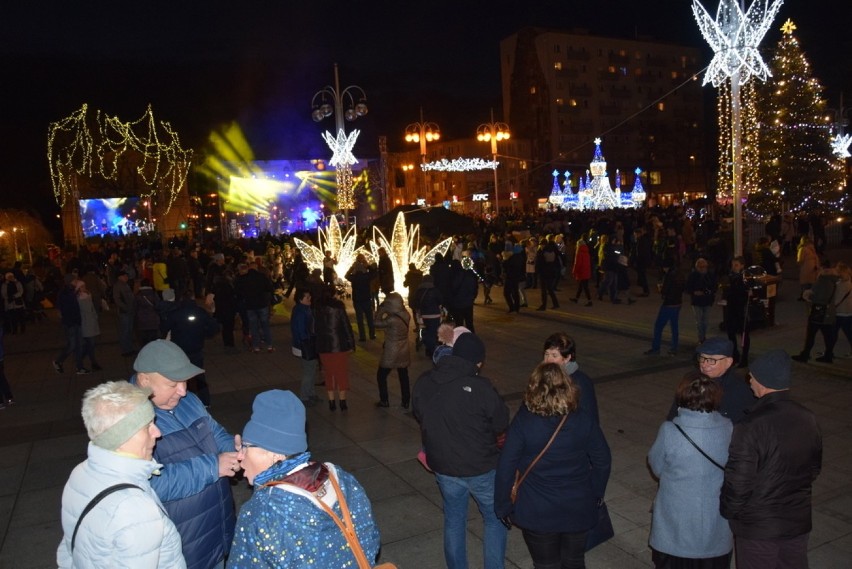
(840, 145)
(341, 147)
(404, 248)
(735, 36)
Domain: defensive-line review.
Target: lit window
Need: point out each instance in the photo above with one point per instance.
(558, 66)
(532, 90)
(654, 178)
(622, 52)
(559, 101)
(661, 106)
(674, 74)
(572, 102)
(611, 68)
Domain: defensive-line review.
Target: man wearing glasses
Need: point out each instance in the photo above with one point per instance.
(197, 453)
(715, 360)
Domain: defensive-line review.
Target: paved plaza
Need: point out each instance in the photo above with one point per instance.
(43, 437)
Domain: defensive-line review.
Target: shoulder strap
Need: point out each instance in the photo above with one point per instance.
(347, 528)
(544, 450)
(842, 299)
(698, 448)
(94, 502)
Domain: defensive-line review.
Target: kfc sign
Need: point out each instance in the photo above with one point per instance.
(479, 197)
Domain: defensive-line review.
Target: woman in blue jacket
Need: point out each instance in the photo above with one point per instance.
(687, 530)
(557, 503)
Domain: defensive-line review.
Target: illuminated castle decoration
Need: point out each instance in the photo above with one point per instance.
(557, 198)
(572, 200)
(564, 198)
(638, 193)
(599, 194)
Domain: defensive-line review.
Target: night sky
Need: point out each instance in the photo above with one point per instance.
(204, 64)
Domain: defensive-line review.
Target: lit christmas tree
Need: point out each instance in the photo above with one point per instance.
(797, 167)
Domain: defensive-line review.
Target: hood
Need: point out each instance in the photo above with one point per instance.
(451, 368)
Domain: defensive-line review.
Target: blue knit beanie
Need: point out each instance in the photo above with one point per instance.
(277, 423)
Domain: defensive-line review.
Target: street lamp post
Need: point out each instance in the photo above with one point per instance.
(493, 132)
(422, 132)
(341, 145)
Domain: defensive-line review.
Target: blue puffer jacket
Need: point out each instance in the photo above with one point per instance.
(197, 500)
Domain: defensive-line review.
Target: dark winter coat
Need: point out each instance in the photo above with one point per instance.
(561, 492)
(333, 328)
(254, 289)
(190, 325)
(737, 397)
(460, 416)
(774, 458)
(705, 283)
(393, 318)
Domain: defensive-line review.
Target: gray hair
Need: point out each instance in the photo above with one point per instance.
(108, 403)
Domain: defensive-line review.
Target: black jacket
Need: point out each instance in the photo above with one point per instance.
(254, 289)
(737, 397)
(333, 329)
(774, 458)
(460, 416)
(190, 325)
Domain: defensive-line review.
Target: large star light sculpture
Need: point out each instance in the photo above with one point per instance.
(341, 147)
(840, 145)
(735, 36)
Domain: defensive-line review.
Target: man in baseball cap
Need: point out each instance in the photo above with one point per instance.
(193, 485)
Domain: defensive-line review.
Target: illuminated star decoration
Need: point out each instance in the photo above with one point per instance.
(342, 159)
(840, 145)
(734, 37)
(341, 147)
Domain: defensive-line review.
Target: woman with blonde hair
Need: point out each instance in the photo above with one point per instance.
(557, 501)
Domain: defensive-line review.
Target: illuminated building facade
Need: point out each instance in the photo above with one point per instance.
(562, 90)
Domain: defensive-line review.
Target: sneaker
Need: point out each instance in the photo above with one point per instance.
(256, 350)
(82, 371)
(824, 359)
(270, 349)
(800, 358)
(58, 367)
(382, 404)
(541, 308)
(2, 406)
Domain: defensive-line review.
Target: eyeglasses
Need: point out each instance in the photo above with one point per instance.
(711, 361)
(245, 446)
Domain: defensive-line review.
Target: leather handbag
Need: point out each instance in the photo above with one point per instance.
(519, 479)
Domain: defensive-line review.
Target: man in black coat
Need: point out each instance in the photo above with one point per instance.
(190, 325)
(774, 458)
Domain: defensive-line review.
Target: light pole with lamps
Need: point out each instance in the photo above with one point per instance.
(493, 132)
(422, 132)
(341, 145)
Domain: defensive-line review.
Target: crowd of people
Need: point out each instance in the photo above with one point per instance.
(161, 465)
